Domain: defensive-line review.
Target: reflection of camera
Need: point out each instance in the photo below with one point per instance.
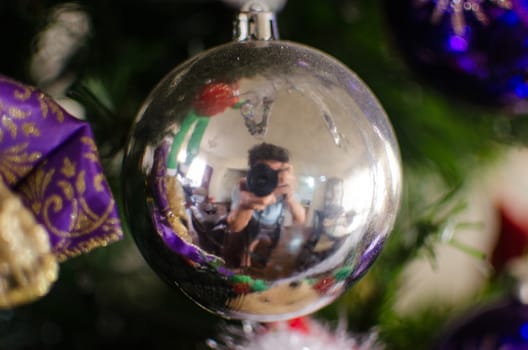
(262, 180)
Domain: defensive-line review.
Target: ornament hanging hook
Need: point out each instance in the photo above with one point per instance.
(255, 22)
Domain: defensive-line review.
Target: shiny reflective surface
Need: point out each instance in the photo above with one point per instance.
(323, 204)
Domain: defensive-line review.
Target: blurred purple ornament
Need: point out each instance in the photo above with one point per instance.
(503, 325)
(475, 50)
(49, 158)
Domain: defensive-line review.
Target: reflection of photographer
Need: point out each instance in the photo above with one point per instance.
(261, 197)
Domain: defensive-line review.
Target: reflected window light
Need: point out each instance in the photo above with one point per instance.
(196, 172)
(309, 181)
(182, 156)
(322, 178)
(358, 192)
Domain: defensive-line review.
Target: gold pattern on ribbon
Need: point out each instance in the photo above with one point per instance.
(25, 91)
(98, 182)
(80, 183)
(10, 126)
(23, 95)
(64, 252)
(17, 162)
(29, 129)
(48, 106)
(68, 168)
(77, 218)
(82, 218)
(34, 191)
(8, 116)
(92, 154)
(67, 189)
(88, 141)
(17, 113)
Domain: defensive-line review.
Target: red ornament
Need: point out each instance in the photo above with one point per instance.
(513, 238)
(242, 288)
(215, 98)
(300, 324)
(324, 285)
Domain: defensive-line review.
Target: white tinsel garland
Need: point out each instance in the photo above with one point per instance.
(298, 334)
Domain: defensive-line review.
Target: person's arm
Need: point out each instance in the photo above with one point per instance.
(286, 188)
(244, 206)
(238, 218)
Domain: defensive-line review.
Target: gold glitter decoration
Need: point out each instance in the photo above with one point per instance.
(27, 266)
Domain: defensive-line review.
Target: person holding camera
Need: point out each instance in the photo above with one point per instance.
(260, 200)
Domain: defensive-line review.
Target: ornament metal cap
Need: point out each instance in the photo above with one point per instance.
(255, 22)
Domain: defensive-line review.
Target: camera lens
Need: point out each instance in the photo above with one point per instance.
(262, 180)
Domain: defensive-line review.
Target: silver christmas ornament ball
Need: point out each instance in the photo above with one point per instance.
(262, 178)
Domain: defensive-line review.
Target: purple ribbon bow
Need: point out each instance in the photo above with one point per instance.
(50, 159)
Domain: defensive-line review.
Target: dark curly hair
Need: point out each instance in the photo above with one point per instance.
(267, 151)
